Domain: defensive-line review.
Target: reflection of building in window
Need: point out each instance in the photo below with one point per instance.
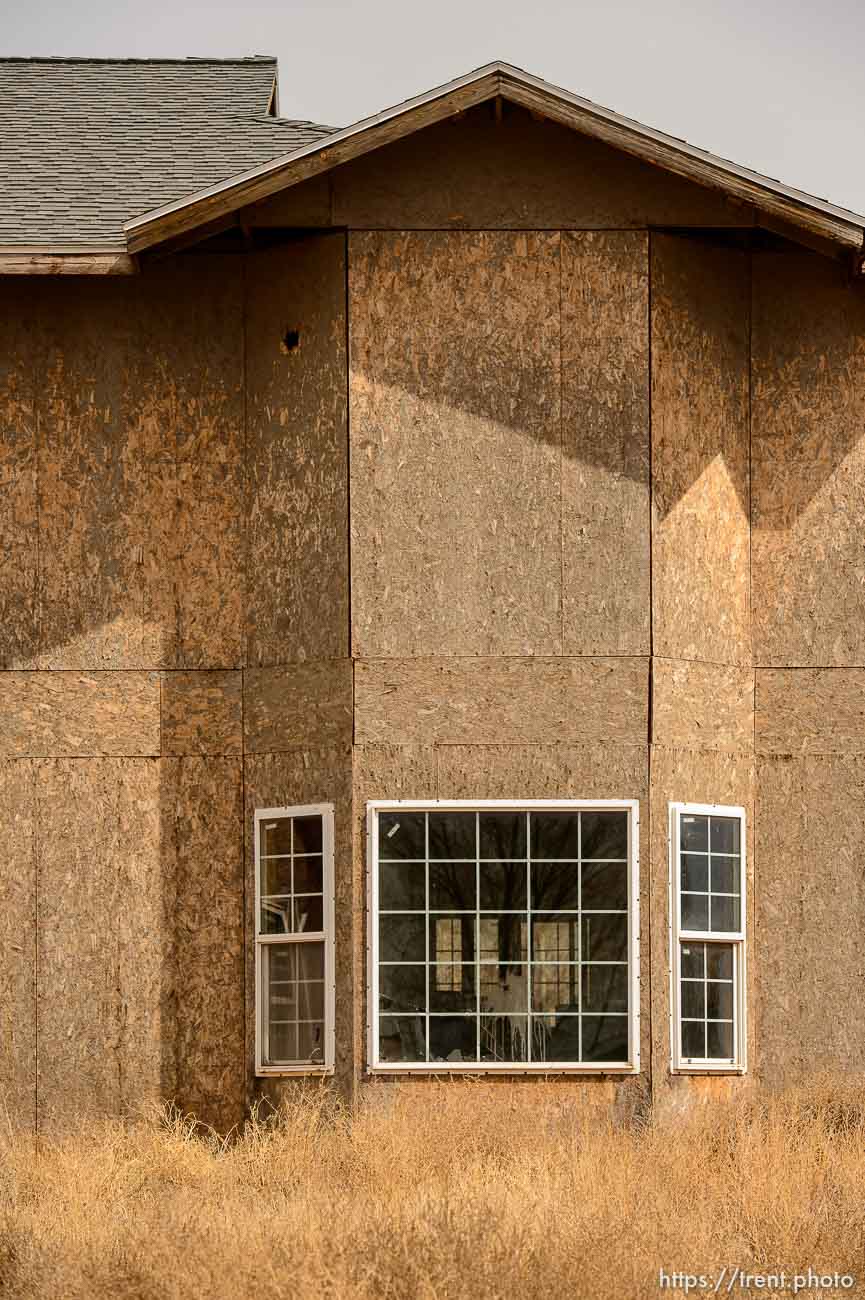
(449, 949)
(554, 941)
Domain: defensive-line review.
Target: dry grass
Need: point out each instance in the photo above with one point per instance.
(456, 1196)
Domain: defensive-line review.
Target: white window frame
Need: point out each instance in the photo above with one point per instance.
(632, 808)
(325, 811)
(737, 939)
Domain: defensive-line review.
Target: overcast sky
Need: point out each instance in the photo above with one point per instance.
(774, 84)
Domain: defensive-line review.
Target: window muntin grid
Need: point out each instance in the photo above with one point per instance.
(294, 939)
(514, 950)
(708, 870)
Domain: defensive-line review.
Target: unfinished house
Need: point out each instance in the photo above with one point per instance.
(432, 600)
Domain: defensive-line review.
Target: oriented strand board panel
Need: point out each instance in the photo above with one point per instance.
(306, 776)
(20, 353)
(183, 380)
(501, 701)
(202, 712)
(298, 706)
(605, 443)
(808, 463)
(203, 973)
(694, 776)
(60, 714)
(474, 173)
(704, 706)
(105, 901)
(18, 944)
(811, 710)
(810, 904)
(455, 443)
(701, 598)
(297, 457)
(193, 566)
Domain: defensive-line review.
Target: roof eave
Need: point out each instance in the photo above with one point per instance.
(48, 260)
(818, 218)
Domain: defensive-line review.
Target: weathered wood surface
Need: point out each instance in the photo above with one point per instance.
(18, 915)
(201, 713)
(59, 714)
(606, 603)
(455, 444)
(297, 506)
(19, 531)
(702, 706)
(501, 700)
(31, 263)
(298, 706)
(701, 595)
(808, 463)
(811, 711)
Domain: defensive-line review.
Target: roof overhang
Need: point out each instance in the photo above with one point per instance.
(816, 217)
(36, 260)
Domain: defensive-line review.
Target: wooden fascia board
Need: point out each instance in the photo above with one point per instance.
(227, 198)
(702, 171)
(13, 262)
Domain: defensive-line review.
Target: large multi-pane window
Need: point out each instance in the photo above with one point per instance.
(294, 939)
(503, 936)
(708, 937)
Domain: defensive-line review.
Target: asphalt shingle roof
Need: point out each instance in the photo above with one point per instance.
(86, 144)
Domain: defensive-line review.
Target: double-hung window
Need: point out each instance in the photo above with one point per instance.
(707, 911)
(294, 975)
(503, 936)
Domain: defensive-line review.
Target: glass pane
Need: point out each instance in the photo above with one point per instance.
(719, 961)
(555, 835)
(504, 1037)
(724, 914)
(719, 1001)
(402, 835)
(310, 1000)
(694, 833)
(503, 938)
(556, 1039)
(402, 938)
(401, 988)
(307, 835)
(502, 835)
(555, 987)
(308, 876)
(504, 990)
(453, 835)
(695, 912)
(451, 938)
(605, 988)
(695, 872)
(694, 1039)
(719, 1041)
(304, 961)
(276, 916)
(605, 886)
(275, 836)
(555, 886)
(401, 1038)
(276, 875)
(605, 835)
(281, 1043)
(401, 886)
(308, 914)
(725, 875)
(555, 938)
(452, 886)
(453, 1038)
(503, 886)
(605, 1038)
(693, 1000)
(693, 960)
(725, 834)
(282, 1001)
(452, 988)
(605, 938)
(310, 1043)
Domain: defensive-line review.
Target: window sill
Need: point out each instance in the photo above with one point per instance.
(709, 1069)
(287, 1071)
(445, 1067)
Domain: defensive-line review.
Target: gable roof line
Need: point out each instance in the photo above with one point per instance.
(814, 215)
